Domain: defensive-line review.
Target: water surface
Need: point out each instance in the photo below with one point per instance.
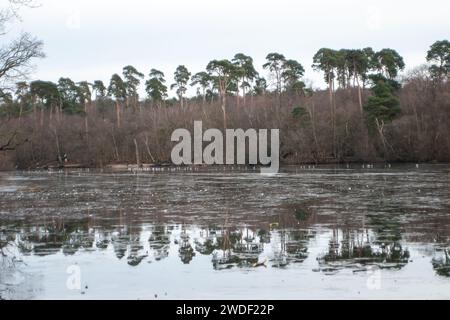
(306, 233)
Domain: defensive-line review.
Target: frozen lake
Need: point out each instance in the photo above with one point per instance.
(306, 233)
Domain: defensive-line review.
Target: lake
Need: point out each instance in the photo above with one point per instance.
(173, 233)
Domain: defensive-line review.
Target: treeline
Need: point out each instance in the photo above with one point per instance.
(366, 114)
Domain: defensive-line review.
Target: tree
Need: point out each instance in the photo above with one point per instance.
(132, 81)
(203, 79)
(439, 55)
(155, 87)
(84, 89)
(48, 96)
(327, 61)
(275, 64)
(388, 62)
(359, 64)
(383, 106)
(17, 56)
(181, 76)
(118, 89)
(292, 73)
(342, 68)
(369, 55)
(223, 72)
(46, 91)
(246, 72)
(260, 86)
(22, 90)
(7, 104)
(23, 96)
(72, 100)
(99, 88)
(86, 96)
(10, 11)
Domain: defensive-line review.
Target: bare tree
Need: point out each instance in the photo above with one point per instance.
(9, 11)
(15, 57)
(11, 140)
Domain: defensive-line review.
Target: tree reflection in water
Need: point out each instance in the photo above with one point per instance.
(283, 241)
(358, 248)
(301, 221)
(207, 242)
(292, 247)
(442, 264)
(351, 249)
(135, 248)
(237, 247)
(186, 252)
(160, 241)
(14, 281)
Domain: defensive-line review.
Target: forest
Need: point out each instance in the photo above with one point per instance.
(371, 111)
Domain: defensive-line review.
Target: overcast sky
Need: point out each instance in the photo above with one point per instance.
(92, 39)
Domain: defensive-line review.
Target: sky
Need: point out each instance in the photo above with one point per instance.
(92, 39)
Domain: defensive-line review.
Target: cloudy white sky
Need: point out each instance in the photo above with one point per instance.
(92, 39)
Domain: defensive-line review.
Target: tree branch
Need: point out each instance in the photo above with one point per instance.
(10, 145)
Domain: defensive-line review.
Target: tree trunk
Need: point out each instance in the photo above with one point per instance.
(279, 90)
(331, 92)
(86, 125)
(58, 148)
(118, 113)
(148, 149)
(34, 111)
(416, 117)
(380, 128)
(57, 113)
(42, 116)
(138, 161)
(116, 150)
(224, 110)
(20, 113)
(335, 150)
(60, 110)
(359, 95)
(313, 124)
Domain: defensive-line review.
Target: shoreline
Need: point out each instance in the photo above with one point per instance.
(171, 167)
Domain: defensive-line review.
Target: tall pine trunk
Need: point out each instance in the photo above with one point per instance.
(118, 113)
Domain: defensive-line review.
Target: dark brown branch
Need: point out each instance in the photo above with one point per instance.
(10, 145)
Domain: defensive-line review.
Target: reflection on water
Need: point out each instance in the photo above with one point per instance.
(442, 264)
(301, 224)
(355, 250)
(227, 247)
